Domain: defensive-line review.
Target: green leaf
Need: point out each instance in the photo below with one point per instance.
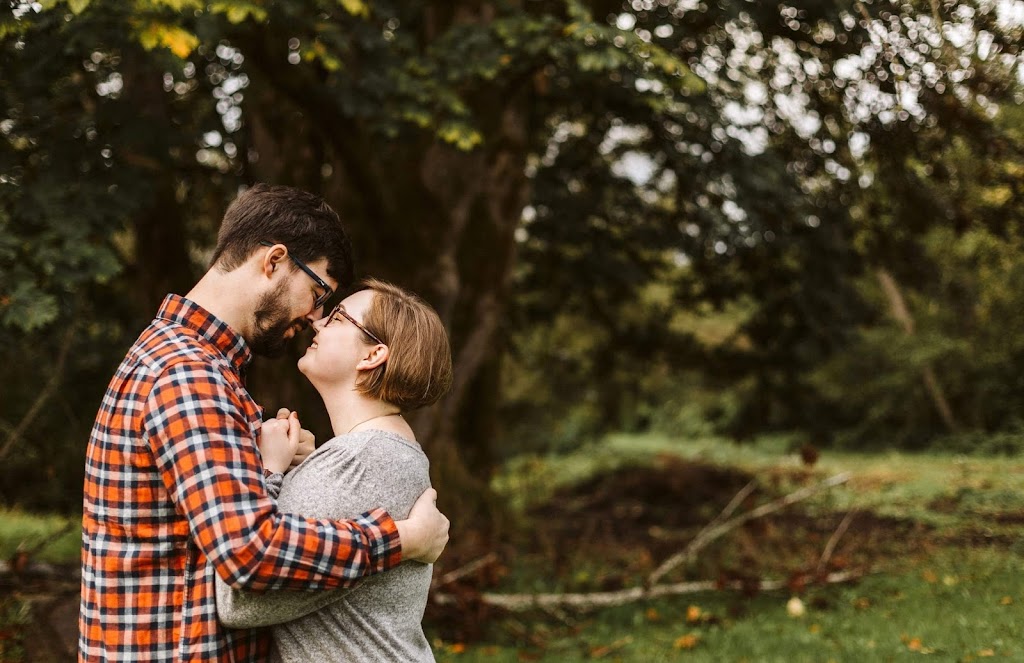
(463, 137)
(238, 12)
(178, 40)
(9, 29)
(78, 6)
(356, 8)
(28, 308)
(319, 52)
(178, 5)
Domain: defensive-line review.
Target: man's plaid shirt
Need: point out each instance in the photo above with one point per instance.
(174, 493)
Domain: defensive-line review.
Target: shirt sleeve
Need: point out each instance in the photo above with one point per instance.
(204, 448)
(273, 481)
(240, 608)
(338, 481)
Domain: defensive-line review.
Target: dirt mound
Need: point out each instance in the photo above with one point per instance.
(673, 494)
(613, 530)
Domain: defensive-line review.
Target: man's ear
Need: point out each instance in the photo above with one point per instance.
(375, 356)
(272, 257)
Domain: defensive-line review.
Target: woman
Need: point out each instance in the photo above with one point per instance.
(380, 353)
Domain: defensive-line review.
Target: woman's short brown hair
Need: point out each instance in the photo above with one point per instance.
(418, 371)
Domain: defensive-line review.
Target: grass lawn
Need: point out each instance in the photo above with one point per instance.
(952, 606)
(895, 484)
(945, 575)
(937, 536)
(52, 539)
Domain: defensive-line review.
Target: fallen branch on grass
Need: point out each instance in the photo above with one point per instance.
(830, 547)
(722, 524)
(463, 571)
(592, 600)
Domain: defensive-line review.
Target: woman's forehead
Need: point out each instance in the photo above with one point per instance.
(358, 302)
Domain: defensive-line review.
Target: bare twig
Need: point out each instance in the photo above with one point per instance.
(900, 312)
(559, 614)
(734, 503)
(698, 541)
(592, 600)
(464, 571)
(47, 392)
(723, 526)
(937, 17)
(22, 563)
(830, 547)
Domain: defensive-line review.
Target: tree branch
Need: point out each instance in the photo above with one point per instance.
(830, 547)
(464, 571)
(593, 600)
(313, 97)
(47, 392)
(714, 531)
(720, 525)
(900, 312)
(733, 504)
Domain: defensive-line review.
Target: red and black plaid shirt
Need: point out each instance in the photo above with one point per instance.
(174, 493)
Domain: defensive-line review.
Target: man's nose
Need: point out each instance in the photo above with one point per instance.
(315, 315)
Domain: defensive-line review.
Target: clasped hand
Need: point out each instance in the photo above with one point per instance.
(284, 443)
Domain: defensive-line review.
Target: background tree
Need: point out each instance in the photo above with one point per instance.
(572, 181)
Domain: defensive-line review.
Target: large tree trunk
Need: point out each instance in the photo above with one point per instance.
(426, 216)
(161, 260)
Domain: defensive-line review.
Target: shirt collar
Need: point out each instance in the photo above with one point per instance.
(187, 313)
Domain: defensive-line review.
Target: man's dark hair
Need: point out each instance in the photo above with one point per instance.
(300, 220)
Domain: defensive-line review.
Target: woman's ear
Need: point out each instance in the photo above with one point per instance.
(376, 356)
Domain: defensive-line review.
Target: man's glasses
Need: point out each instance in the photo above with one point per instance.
(327, 291)
(340, 312)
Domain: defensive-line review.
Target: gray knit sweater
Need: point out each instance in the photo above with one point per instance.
(379, 619)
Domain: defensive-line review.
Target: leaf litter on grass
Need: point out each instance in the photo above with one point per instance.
(611, 529)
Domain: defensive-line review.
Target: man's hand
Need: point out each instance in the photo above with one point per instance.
(424, 533)
(279, 439)
(307, 441)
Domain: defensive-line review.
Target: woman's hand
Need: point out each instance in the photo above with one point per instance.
(279, 440)
(307, 441)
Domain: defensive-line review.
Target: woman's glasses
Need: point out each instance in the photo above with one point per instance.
(340, 312)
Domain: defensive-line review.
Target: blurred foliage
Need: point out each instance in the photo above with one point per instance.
(630, 215)
(829, 143)
(969, 319)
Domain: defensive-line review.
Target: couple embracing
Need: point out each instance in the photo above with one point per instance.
(203, 524)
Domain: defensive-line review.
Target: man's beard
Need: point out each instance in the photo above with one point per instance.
(272, 321)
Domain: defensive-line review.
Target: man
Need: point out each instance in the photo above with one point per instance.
(174, 487)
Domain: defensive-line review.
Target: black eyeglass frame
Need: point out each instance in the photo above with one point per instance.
(340, 310)
(328, 291)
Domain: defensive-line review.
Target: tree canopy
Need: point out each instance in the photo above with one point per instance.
(572, 184)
